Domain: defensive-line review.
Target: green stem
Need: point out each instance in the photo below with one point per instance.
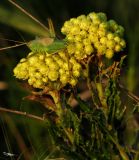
(90, 85)
(59, 111)
(102, 97)
(121, 150)
(99, 85)
(56, 97)
(101, 94)
(69, 135)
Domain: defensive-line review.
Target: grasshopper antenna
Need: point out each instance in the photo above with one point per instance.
(17, 45)
(28, 14)
(10, 40)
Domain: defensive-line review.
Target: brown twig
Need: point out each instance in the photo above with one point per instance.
(22, 113)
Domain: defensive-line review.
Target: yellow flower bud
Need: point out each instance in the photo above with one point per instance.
(60, 62)
(73, 20)
(23, 75)
(30, 54)
(117, 48)
(117, 39)
(71, 48)
(97, 44)
(62, 54)
(67, 25)
(45, 79)
(93, 28)
(53, 66)
(62, 71)
(38, 75)
(110, 36)
(81, 17)
(49, 60)
(88, 49)
(76, 66)
(109, 53)
(44, 69)
(95, 39)
(78, 38)
(93, 15)
(103, 25)
(56, 57)
(38, 84)
(73, 81)
(101, 49)
(91, 38)
(74, 30)
(83, 33)
(72, 60)
(78, 54)
(101, 33)
(33, 60)
(64, 30)
(21, 71)
(41, 56)
(96, 21)
(53, 75)
(103, 40)
(31, 80)
(79, 46)
(23, 60)
(76, 73)
(70, 37)
(68, 73)
(86, 41)
(111, 44)
(84, 25)
(64, 79)
(66, 66)
(122, 43)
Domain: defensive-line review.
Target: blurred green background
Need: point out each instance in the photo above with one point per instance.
(29, 136)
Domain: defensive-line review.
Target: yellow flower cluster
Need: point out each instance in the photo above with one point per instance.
(45, 70)
(93, 34)
(86, 35)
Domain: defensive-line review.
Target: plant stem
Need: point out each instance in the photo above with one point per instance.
(56, 97)
(89, 83)
(69, 135)
(99, 85)
(59, 111)
(121, 150)
(22, 113)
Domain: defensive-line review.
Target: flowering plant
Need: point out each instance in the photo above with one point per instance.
(79, 85)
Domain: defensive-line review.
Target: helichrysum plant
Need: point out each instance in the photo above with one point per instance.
(84, 128)
(86, 36)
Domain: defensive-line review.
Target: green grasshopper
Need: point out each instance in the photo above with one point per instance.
(49, 44)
